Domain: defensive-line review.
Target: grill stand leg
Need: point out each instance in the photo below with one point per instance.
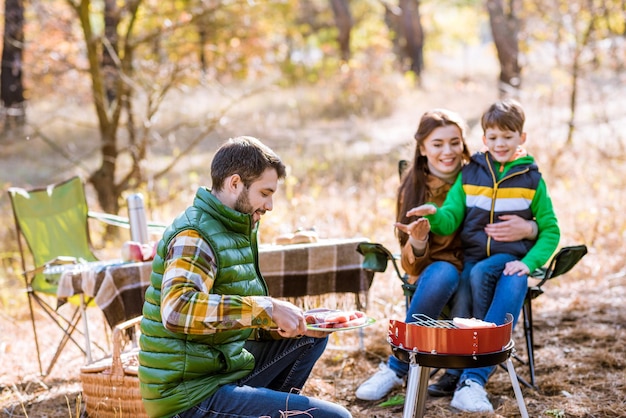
(416, 386)
(516, 388)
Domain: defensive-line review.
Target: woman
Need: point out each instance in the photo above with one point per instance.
(436, 261)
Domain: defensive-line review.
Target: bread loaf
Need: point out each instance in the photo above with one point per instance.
(299, 237)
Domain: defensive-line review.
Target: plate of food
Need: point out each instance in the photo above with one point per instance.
(331, 320)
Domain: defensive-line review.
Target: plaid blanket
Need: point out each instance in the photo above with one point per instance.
(117, 288)
(290, 271)
(328, 266)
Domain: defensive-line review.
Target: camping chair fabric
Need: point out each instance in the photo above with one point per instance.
(52, 221)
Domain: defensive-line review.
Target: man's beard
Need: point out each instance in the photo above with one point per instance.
(242, 204)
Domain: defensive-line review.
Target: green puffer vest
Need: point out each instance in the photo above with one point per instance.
(177, 371)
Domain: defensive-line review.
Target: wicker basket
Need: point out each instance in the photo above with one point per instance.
(111, 385)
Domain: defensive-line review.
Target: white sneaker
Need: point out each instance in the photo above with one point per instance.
(379, 385)
(471, 397)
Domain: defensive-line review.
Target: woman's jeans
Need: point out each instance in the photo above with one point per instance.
(435, 287)
(272, 388)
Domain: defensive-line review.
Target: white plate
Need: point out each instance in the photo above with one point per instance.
(316, 327)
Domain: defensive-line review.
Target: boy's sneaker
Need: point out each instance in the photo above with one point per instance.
(471, 397)
(379, 385)
(445, 386)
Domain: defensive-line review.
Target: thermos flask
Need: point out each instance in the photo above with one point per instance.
(137, 218)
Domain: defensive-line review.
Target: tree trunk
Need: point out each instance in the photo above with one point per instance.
(505, 29)
(343, 20)
(408, 36)
(392, 19)
(108, 113)
(202, 40)
(111, 49)
(11, 87)
(413, 35)
(103, 179)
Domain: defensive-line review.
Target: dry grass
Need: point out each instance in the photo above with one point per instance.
(342, 182)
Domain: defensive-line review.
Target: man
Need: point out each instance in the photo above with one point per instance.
(213, 342)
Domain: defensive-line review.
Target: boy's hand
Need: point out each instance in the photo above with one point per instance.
(516, 266)
(426, 209)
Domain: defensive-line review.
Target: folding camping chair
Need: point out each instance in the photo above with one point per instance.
(52, 231)
(564, 260)
(376, 258)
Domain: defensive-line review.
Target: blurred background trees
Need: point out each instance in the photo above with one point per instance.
(11, 83)
(158, 78)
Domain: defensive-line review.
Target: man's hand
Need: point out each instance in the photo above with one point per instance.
(516, 266)
(289, 319)
(418, 230)
(426, 209)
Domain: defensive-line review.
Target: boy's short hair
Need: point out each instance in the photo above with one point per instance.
(504, 114)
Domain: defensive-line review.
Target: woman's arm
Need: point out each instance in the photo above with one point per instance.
(512, 228)
(415, 255)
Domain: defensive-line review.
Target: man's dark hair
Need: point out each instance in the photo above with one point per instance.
(246, 156)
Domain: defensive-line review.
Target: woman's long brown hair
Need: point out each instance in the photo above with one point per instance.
(413, 190)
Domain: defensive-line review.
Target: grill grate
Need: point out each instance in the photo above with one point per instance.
(426, 321)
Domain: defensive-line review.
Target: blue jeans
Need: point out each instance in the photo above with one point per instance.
(272, 388)
(508, 297)
(483, 277)
(435, 287)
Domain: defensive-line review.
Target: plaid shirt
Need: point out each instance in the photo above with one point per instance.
(187, 304)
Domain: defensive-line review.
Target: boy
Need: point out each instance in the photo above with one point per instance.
(500, 182)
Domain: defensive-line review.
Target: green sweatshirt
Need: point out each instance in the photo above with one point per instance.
(484, 191)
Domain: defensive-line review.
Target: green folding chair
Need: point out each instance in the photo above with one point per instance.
(562, 262)
(53, 232)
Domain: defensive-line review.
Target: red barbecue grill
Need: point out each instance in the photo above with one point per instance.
(428, 342)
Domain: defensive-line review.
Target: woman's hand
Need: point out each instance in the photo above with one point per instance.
(512, 228)
(418, 230)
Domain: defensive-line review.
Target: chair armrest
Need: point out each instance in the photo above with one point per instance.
(58, 261)
(124, 222)
(564, 260)
(376, 257)
(537, 278)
